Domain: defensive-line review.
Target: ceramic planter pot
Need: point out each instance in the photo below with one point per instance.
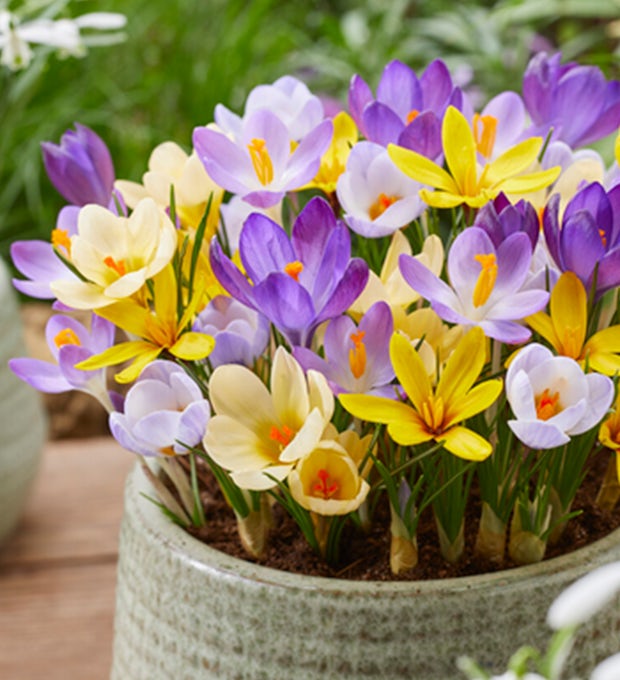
(186, 611)
(22, 420)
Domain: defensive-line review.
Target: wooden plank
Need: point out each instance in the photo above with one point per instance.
(57, 623)
(75, 506)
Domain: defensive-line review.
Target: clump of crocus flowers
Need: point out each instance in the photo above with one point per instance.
(387, 308)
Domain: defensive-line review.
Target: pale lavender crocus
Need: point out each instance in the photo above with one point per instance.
(164, 413)
(357, 357)
(80, 167)
(296, 282)
(407, 110)
(550, 90)
(378, 199)
(260, 163)
(586, 240)
(69, 343)
(552, 398)
(486, 284)
(241, 334)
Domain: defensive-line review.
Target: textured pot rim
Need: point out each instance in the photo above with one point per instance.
(201, 557)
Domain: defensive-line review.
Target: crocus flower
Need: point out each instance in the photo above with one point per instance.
(80, 167)
(485, 284)
(499, 219)
(609, 433)
(171, 168)
(552, 399)
(70, 343)
(326, 481)
(296, 283)
(259, 163)
(434, 414)
(159, 330)
(241, 334)
(164, 413)
(550, 90)
(356, 356)
(587, 239)
(465, 182)
(407, 110)
(289, 98)
(116, 255)
(565, 328)
(378, 199)
(258, 432)
(499, 125)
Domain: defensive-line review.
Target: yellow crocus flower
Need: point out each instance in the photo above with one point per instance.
(465, 181)
(565, 329)
(434, 413)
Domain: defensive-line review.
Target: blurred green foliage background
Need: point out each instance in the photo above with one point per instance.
(181, 58)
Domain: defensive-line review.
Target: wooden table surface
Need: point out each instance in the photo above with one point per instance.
(58, 569)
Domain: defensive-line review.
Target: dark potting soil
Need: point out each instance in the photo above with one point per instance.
(365, 557)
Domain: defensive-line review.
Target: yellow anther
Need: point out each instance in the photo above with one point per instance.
(433, 412)
(357, 355)
(382, 203)
(485, 130)
(66, 336)
(60, 239)
(294, 269)
(412, 115)
(486, 278)
(263, 167)
(547, 404)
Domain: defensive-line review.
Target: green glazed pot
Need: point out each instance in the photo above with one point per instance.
(22, 419)
(186, 612)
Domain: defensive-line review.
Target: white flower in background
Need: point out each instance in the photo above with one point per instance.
(65, 35)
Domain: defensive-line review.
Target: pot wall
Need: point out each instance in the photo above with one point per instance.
(188, 612)
(22, 419)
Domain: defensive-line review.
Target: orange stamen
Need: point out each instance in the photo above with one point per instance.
(357, 355)
(283, 436)
(323, 486)
(60, 239)
(263, 167)
(486, 278)
(485, 130)
(294, 269)
(66, 336)
(603, 237)
(382, 203)
(412, 115)
(547, 404)
(117, 265)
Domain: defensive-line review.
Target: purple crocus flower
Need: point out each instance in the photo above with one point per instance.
(357, 357)
(70, 343)
(587, 239)
(241, 334)
(576, 101)
(164, 410)
(499, 218)
(259, 164)
(80, 167)
(485, 284)
(296, 282)
(407, 110)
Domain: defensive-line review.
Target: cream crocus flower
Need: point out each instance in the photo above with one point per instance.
(258, 431)
(170, 167)
(390, 286)
(327, 481)
(114, 256)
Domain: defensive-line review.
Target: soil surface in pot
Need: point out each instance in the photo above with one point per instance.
(366, 556)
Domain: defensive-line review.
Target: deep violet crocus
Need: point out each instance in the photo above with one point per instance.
(499, 218)
(80, 167)
(296, 282)
(407, 110)
(586, 240)
(486, 284)
(550, 90)
(70, 343)
(357, 357)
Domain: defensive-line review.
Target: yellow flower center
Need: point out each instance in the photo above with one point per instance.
(294, 269)
(324, 487)
(263, 167)
(412, 115)
(116, 265)
(381, 205)
(357, 355)
(486, 278)
(60, 239)
(547, 404)
(485, 130)
(66, 336)
(283, 436)
(433, 412)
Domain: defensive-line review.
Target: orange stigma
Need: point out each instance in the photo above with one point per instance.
(485, 129)
(294, 269)
(357, 355)
(382, 203)
(325, 487)
(412, 115)
(117, 265)
(601, 233)
(66, 336)
(547, 405)
(283, 436)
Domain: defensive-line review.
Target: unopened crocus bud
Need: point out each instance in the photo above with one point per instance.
(80, 167)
